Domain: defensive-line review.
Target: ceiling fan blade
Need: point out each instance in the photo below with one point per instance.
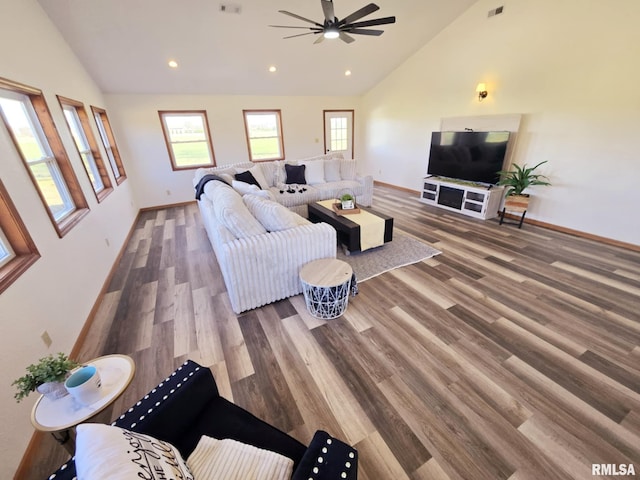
(371, 23)
(358, 14)
(289, 26)
(319, 40)
(346, 38)
(362, 31)
(300, 35)
(327, 8)
(300, 18)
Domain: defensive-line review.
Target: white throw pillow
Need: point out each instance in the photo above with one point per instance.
(348, 169)
(314, 172)
(273, 216)
(104, 452)
(230, 459)
(256, 171)
(231, 211)
(332, 170)
(244, 188)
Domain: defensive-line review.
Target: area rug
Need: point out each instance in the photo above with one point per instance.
(401, 251)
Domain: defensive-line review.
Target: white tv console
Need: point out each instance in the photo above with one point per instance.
(469, 198)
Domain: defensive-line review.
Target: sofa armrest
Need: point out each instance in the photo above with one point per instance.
(166, 411)
(265, 268)
(366, 199)
(327, 458)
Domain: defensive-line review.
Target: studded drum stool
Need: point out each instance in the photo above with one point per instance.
(326, 284)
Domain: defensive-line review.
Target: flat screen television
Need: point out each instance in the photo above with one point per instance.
(472, 156)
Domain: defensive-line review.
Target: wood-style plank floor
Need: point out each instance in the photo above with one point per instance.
(515, 354)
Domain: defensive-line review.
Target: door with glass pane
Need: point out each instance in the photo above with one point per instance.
(338, 132)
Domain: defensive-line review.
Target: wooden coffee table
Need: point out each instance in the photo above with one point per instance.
(348, 231)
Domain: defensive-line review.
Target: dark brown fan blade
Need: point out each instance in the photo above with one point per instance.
(300, 18)
(371, 23)
(362, 31)
(358, 14)
(289, 26)
(346, 38)
(327, 8)
(301, 34)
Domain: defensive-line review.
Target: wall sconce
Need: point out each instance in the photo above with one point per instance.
(482, 91)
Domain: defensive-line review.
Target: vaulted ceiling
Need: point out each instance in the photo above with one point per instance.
(125, 44)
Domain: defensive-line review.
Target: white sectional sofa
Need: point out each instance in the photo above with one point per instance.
(260, 245)
(326, 176)
(260, 236)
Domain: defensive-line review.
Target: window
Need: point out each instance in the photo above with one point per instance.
(264, 134)
(27, 117)
(109, 142)
(17, 250)
(78, 123)
(188, 141)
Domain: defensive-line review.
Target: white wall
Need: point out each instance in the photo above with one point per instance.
(570, 67)
(137, 125)
(57, 293)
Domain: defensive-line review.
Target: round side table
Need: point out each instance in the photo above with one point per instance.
(60, 416)
(326, 284)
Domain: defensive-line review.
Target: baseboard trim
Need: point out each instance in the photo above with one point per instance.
(396, 187)
(169, 205)
(549, 226)
(577, 233)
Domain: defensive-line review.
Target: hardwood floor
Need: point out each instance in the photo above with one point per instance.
(515, 354)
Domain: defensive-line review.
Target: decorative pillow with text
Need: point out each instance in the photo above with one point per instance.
(113, 453)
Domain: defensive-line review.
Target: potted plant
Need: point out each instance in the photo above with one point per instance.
(518, 180)
(46, 376)
(347, 201)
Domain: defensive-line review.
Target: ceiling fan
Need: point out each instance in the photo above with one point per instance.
(332, 27)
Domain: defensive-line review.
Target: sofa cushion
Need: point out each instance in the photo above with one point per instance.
(231, 211)
(314, 172)
(113, 453)
(332, 170)
(295, 174)
(348, 169)
(256, 173)
(228, 459)
(273, 216)
(248, 189)
(271, 170)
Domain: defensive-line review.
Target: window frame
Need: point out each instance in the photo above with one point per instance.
(59, 156)
(25, 252)
(92, 150)
(278, 115)
(109, 143)
(169, 143)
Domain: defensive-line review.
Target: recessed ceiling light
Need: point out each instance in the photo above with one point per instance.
(173, 64)
(272, 68)
(347, 73)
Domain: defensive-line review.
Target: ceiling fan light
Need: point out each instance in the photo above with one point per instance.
(331, 33)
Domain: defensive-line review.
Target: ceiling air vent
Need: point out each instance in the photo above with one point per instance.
(495, 11)
(230, 8)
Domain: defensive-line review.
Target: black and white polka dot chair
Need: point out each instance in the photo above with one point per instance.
(187, 405)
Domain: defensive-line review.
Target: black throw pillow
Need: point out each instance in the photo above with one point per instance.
(247, 177)
(295, 174)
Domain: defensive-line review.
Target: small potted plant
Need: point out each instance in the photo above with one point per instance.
(347, 201)
(518, 180)
(46, 376)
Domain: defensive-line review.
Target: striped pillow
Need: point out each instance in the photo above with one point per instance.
(232, 460)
